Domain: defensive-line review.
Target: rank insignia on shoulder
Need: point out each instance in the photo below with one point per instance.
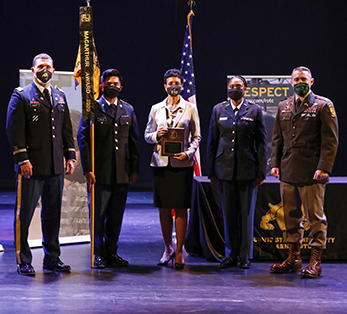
(20, 89)
(332, 109)
(60, 90)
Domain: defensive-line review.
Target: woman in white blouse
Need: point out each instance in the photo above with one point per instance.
(173, 175)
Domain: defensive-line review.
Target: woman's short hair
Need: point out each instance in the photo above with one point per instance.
(241, 78)
(171, 73)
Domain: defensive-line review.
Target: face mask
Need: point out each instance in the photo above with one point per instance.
(44, 76)
(111, 91)
(235, 93)
(174, 90)
(301, 89)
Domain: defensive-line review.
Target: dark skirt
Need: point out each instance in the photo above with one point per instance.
(172, 187)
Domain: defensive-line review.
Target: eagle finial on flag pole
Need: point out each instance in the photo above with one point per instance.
(191, 3)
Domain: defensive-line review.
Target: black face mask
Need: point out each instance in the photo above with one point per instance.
(111, 91)
(44, 75)
(235, 93)
(174, 90)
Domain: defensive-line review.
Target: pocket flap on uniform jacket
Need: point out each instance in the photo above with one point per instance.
(125, 119)
(60, 107)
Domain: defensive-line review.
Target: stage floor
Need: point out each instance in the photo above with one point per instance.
(143, 287)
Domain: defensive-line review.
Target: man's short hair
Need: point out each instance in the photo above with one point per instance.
(302, 69)
(41, 56)
(109, 73)
(239, 77)
(173, 73)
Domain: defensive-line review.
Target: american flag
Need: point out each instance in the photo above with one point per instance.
(187, 68)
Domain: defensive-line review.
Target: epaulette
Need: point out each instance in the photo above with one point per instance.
(253, 103)
(285, 98)
(222, 103)
(323, 98)
(60, 90)
(20, 89)
(124, 102)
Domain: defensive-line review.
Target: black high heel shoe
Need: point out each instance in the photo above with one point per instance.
(165, 262)
(179, 266)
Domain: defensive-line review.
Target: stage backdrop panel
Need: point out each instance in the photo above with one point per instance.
(74, 217)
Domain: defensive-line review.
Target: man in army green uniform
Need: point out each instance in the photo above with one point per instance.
(304, 146)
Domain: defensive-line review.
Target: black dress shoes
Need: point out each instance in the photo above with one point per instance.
(25, 270)
(166, 259)
(228, 262)
(116, 261)
(179, 266)
(56, 265)
(99, 262)
(245, 263)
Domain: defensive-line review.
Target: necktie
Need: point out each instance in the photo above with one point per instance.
(110, 110)
(47, 96)
(236, 110)
(297, 104)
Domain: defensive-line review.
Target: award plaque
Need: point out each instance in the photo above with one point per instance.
(172, 141)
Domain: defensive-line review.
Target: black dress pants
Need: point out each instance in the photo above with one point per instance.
(50, 188)
(110, 202)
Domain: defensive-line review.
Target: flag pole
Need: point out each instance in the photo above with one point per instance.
(191, 3)
(88, 98)
(187, 68)
(92, 196)
(92, 187)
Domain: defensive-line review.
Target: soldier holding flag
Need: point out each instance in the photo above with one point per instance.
(116, 165)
